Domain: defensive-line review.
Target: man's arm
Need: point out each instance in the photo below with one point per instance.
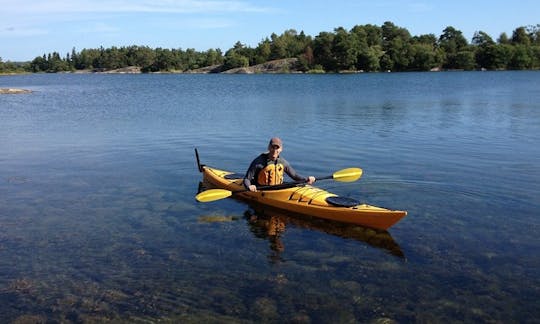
(250, 174)
(294, 175)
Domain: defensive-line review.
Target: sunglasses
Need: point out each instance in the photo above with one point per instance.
(275, 146)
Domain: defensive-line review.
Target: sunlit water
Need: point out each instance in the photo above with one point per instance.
(98, 219)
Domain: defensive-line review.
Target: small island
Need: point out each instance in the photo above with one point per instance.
(14, 91)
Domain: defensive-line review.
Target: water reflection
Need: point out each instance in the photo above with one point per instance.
(271, 224)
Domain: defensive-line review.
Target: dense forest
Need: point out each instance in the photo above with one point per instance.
(368, 48)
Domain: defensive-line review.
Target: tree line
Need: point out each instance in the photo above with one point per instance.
(367, 48)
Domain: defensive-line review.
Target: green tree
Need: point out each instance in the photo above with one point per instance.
(425, 53)
(396, 47)
(397, 55)
(57, 64)
(263, 51)
(144, 57)
(306, 60)
(465, 60)
(454, 45)
(521, 58)
(295, 43)
(485, 50)
(369, 42)
(245, 51)
(113, 58)
(369, 59)
(74, 59)
(423, 57)
(164, 60)
(427, 39)
(39, 64)
(234, 58)
(88, 57)
(534, 34)
(373, 35)
(521, 37)
(278, 47)
(494, 56)
(535, 52)
(346, 49)
(288, 44)
(481, 38)
(213, 57)
(323, 51)
(503, 39)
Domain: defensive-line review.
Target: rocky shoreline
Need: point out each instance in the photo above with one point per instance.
(275, 66)
(271, 67)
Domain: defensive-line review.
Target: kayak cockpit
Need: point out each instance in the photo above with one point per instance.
(342, 201)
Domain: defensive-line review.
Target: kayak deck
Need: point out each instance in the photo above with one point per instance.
(305, 199)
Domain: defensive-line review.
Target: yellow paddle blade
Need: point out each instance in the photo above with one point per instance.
(347, 175)
(213, 194)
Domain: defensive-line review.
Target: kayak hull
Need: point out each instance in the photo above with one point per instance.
(306, 200)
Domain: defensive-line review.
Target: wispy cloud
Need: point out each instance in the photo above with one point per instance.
(198, 23)
(420, 7)
(22, 31)
(33, 17)
(125, 6)
(410, 7)
(100, 27)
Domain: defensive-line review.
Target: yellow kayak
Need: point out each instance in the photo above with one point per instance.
(306, 200)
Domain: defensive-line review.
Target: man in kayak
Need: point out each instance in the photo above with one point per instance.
(268, 168)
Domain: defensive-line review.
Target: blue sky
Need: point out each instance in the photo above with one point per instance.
(30, 28)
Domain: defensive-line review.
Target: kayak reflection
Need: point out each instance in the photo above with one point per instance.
(270, 223)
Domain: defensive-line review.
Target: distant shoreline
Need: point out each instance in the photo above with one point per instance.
(280, 66)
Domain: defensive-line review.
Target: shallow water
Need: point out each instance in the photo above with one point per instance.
(98, 219)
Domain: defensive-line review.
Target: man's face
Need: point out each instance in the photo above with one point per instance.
(274, 150)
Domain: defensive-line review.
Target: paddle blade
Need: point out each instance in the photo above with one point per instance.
(347, 175)
(213, 194)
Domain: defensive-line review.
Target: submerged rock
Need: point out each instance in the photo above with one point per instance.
(216, 219)
(14, 91)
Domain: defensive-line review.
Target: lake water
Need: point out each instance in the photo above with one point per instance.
(98, 219)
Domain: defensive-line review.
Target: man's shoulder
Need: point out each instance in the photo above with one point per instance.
(260, 159)
(282, 160)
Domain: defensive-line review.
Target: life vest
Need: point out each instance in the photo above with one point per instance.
(271, 175)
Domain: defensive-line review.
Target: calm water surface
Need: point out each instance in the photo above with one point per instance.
(98, 220)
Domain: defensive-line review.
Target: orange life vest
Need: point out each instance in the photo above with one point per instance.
(271, 175)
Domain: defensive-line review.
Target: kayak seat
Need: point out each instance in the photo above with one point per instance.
(234, 176)
(342, 201)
